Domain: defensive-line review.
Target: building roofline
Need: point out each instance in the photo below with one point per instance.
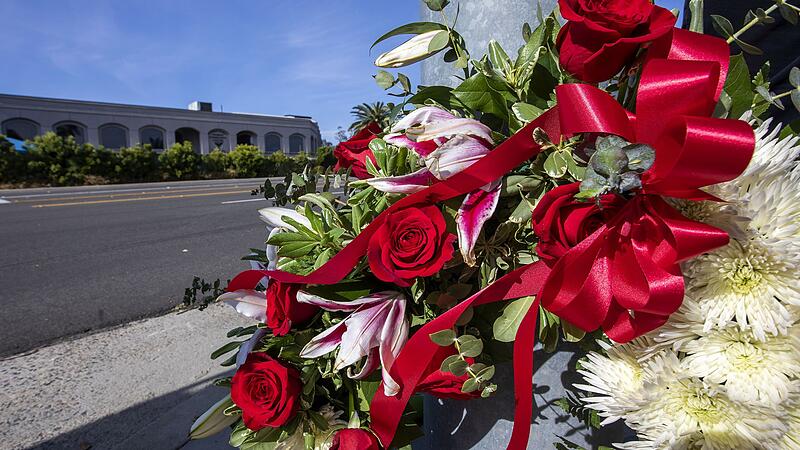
(160, 108)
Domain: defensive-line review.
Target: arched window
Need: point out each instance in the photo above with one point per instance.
(218, 138)
(246, 138)
(189, 135)
(74, 129)
(113, 136)
(272, 142)
(296, 143)
(153, 136)
(313, 143)
(22, 129)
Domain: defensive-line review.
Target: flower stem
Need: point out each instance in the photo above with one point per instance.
(751, 24)
(785, 94)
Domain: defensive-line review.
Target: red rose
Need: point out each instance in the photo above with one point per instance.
(283, 309)
(412, 242)
(445, 384)
(601, 36)
(353, 153)
(354, 439)
(267, 392)
(561, 222)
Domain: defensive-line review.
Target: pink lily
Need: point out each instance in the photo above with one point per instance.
(376, 328)
(447, 145)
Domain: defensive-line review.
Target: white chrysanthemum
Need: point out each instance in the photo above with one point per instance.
(772, 155)
(702, 415)
(753, 371)
(791, 440)
(744, 282)
(684, 326)
(773, 206)
(617, 377)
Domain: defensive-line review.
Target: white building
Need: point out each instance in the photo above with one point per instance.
(115, 125)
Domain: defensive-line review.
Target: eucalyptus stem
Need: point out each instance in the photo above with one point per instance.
(469, 370)
(751, 24)
(785, 94)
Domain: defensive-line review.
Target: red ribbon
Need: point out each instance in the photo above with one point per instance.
(631, 262)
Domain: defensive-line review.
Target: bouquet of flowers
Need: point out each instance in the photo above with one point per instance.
(596, 188)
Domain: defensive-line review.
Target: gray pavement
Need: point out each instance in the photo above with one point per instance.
(84, 258)
(137, 386)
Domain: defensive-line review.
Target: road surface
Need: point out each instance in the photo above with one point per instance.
(82, 258)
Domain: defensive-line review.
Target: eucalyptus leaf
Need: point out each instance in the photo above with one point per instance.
(469, 346)
(443, 338)
(486, 374)
(445, 367)
(794, 77)
(722, 25)
(506, 326)
(384, 79)
(471, 385)
(788, 13)
(750, 49)
(458, 367)
(795, 95)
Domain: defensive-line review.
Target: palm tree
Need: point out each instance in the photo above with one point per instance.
(367, 113)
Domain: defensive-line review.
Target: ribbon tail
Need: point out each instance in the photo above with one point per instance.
(523, 378)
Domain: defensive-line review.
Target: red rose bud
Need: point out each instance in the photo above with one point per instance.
(602, 36)
(353, 153)
(561, 222)
(354, 439)
(412, 242)
(283, 309)
(267, 392)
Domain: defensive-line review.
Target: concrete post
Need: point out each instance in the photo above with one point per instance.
(487, 423)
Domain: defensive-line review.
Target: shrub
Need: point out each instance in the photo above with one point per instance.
(216, 163)
(63, 162)
(12, 163)
(138, 163)
(180, 162)
(325, 157)
(278, 164)
(247, 161)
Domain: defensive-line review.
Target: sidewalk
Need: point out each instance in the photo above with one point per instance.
(138, 386)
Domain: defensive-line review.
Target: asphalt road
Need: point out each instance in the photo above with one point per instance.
(80, 259)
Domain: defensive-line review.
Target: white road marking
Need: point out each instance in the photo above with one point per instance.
(244, 201)
(230, 183)
(4, 201)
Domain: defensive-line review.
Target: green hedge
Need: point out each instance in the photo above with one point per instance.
(57, 161)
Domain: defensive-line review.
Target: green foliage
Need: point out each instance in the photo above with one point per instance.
(12, 163)
(138, 163)
(62, 161)
(216, 163)
(367, 113)
(246, 161)
(180, 162)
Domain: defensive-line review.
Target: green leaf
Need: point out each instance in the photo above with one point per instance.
(739, 87)
(410, 28)
(641, 157)
(794, 77)
(488, 390)
(444, 338)
(788, 13)
(469, 346)
(556, 163)
(481, 93)
(458, 367)
(486, 374)
(471, 385)
(405, 83)
(443, 95)
(793, 129)
(749, 48)
(436, 5)
(506, 326)
(384, 79)
(499, 57)
(526, 31)
(526, 112)
(796, 99)
(723, 26)
(439, 41)
(229, 347)
(445, 367)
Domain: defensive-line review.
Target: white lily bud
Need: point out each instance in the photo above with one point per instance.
(411, 51)
(214, 420)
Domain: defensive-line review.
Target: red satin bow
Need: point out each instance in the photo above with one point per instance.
(639, 249)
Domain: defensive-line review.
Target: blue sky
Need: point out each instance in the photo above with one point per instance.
(307, 57)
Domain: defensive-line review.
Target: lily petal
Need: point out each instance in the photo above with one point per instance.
(453, 127)
(362, 334)
(421, 116)
(249, 345)
(403, 184)
(332, 305)
(273, 216)
(247, 302)
(325, 342)
(455, 155)
(370, 364)
(477, 208)
(394, 336)
(422, 148)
